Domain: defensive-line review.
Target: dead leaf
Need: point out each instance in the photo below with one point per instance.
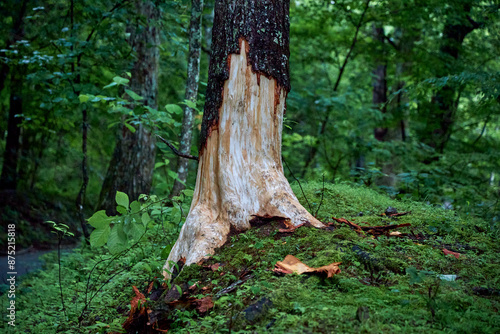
(150, 287)
(455, 254)
(293, 265)
(204, 304)
(134, 305)
(395, 234)
(291, 228)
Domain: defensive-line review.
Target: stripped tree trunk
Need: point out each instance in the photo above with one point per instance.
(193, 76)
(131, 167)
(240, 175)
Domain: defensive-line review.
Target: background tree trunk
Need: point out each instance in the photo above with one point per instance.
(240, 175)
(193, 76)
(8, 179)
(131, 167)
(441, 115)
(9, 176)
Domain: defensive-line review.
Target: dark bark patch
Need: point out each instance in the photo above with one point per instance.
(265, 25)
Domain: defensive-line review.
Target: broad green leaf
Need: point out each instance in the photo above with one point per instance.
(83, 98)
(130, 127)
(190, 104)
(110, 85)
(99, 236)
(188, 192)
(145, 218)
(135, 207)
(135, 230)
(174, 108)
(159, 164)
(117, 240)
(122, 199)
(100, 219)
(121, 210)
(166, 252)
(121, 81)
(133, 95)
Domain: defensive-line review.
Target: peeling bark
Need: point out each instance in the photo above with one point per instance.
(240, 175)
(191, 94)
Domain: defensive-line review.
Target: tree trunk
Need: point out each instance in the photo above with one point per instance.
(388, 132)
(8, 179)
(240, 175)
(443, 107)
(131, 167)
(193, 76)
(9, 176)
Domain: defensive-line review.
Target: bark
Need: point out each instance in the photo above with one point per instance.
(379, 98)
(191, 94)
(444, 103)
(9, 177)
(131, 167)
(240, 175)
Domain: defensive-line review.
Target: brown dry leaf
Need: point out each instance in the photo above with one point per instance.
(293, 265)
(204, 304)
(134, 304)
(448, 252)
(291, 228)
(150, 287)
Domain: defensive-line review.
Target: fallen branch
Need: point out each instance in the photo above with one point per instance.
(373, 230)
(176, 151)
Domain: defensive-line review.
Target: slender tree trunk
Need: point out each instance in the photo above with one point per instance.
(131, 167)
(240, 175)
(9, 177)
(444, 104)
(389, 131)
(193, 76)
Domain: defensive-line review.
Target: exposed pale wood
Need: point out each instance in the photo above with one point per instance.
(240, 174)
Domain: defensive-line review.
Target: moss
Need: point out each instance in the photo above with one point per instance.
(374, 272)
(390, 276)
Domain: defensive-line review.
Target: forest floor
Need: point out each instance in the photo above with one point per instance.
(438, 272)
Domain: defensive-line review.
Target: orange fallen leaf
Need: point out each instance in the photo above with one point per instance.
(293, 265)
(150, 287)
(134, 305)
(455, 254)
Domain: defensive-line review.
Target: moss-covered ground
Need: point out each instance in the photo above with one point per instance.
(386, 284)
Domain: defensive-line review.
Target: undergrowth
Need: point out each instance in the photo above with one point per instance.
(386, 284)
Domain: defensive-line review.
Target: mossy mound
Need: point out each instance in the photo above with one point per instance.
(387, 284)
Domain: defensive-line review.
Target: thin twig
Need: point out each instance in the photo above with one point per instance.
(176, 151)
(302, 190)
(59, 265)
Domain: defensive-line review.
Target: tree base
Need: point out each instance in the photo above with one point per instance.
(240, 175)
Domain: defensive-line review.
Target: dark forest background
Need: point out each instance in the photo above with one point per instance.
(400, 96)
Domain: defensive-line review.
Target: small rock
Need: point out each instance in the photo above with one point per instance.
(363, 313)
(258, 309)
(390, 211)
